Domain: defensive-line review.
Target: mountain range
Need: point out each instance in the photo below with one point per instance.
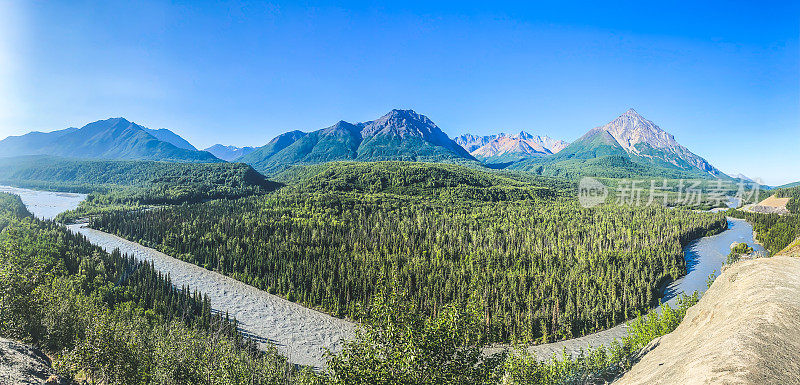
(503, 148)
(400, 135)
(229, 153)
(114, 138)
(628, 146)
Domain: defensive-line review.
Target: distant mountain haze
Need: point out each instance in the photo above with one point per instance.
(400, 135)
(168, 136)
(115, 138)
(503, 148)
(473, 142)
(229, 153)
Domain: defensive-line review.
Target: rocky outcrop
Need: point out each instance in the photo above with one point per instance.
(743, 331)
(22, 364)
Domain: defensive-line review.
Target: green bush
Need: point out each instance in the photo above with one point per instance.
(602, 364)
(397, 346)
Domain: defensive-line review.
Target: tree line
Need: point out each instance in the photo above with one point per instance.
(773, 231)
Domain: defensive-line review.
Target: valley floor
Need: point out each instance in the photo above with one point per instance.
(300, 334)
(304, 335)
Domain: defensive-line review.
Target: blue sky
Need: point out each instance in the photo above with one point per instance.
(724, 77)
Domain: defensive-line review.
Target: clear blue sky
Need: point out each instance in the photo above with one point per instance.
(724, 77)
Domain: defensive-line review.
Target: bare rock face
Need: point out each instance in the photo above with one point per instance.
(523, 144)
(641, 137)
(745, 330)
(473, 142)
(22, 364)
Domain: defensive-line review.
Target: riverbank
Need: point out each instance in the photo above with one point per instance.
(303, 335)
(704, 256)
(743, 331)
(46, 204)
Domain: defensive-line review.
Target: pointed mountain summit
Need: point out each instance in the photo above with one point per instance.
(115, 138)
(629, 145)
(504, 148)
(644, 139)
(406, 135)
(398, 135)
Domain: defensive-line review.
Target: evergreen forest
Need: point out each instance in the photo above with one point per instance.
(539, 267)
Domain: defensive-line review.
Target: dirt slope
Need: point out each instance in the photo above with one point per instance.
(793, 250)
(771, 205)
(745, 330)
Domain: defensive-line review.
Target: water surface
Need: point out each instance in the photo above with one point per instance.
(46, 204)
(703, 257)
(706, 255)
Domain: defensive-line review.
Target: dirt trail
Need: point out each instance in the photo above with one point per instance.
(743, 331)
(299, 333)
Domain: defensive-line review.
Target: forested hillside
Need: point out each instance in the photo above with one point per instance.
(441, 181)
(794, 194)
(109, 319)
(133, 183)
(539, 266)
(608, 166)
(773, 231)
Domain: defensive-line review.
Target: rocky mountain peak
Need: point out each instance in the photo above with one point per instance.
(630, 129)
(401, 117)
(644, 140)
(524, 135)
(403, 123)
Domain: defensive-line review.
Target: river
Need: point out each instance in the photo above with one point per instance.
(303, 335)
(46, 204)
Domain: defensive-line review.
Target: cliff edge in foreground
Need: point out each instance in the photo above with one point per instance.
(745, 330)
(21, 364)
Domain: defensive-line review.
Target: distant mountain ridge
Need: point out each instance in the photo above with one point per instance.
(504, 148)
(628, 142)
(229, 153)
(168, 136)
(400, 135)
(115, 138)
(789, 185)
